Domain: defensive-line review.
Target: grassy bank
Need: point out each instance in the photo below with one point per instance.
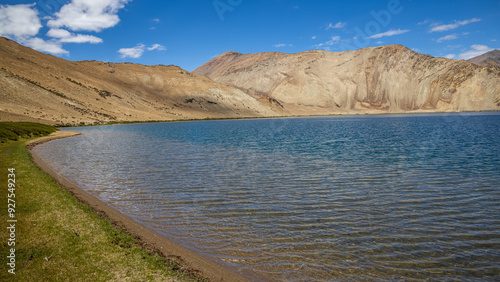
(13, 131)
(59, 238)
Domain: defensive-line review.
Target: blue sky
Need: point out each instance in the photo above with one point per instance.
(188, 33)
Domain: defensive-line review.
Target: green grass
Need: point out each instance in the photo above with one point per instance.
(59, 238)
(13, 131)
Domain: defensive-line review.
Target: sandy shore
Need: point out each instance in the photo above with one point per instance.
(149, 238)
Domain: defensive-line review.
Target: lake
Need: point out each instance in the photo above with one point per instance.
(320, 198)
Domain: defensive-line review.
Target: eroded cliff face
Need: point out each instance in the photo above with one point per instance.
(371, 80)
(388, 79)
(43, 88)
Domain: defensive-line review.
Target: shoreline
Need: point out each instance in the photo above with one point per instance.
(364, 114)
(149, 238)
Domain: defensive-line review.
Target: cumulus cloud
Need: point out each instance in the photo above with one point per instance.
(134, 52)
(22, 23)
(157, 47)
(476, 50)
(19, 21)
(335, 26)
(450, 56)
(391, 32)
(50, 46)
(137, 51)
(88, 15)
(65, 36)
(447, 37)
(84, 15)
(456, 24)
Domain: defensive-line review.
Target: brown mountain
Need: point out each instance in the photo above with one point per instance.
(40, 87)
(370, 80)
(490, 59)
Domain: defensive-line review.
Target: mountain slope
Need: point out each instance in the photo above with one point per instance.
(370, 80)
(490, 59)
(39, 87)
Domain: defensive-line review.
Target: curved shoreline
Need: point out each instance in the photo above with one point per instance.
(149, 238)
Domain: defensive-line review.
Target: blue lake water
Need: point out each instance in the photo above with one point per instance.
(350, 197)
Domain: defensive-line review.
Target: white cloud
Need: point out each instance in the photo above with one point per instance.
(450, 56)
(337, 25)
(476, 50)
(134, 52)
(426, 21)
(447, 37)
(65, 36)
(137, 51)
(454, 25)
(313, 37)
(155, 22)
(22, 23)
(333, 40)
(58, 33)
(157, 47)
(282, 45)
(88, 15)
(52, 47)
(80, 38)
(19, 21)
(389, 33)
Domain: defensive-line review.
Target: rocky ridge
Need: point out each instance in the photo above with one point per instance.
(387, 79)
(490, 59)
(43, 88)
(392, 79)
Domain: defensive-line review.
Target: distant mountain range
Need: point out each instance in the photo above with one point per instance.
(370, 80)
(490, 59)
(389, 79)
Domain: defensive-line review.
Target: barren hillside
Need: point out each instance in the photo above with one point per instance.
(490, 59)
(39, 87)
(370, 80)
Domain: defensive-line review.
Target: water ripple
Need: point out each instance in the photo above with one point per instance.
(365, 198)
